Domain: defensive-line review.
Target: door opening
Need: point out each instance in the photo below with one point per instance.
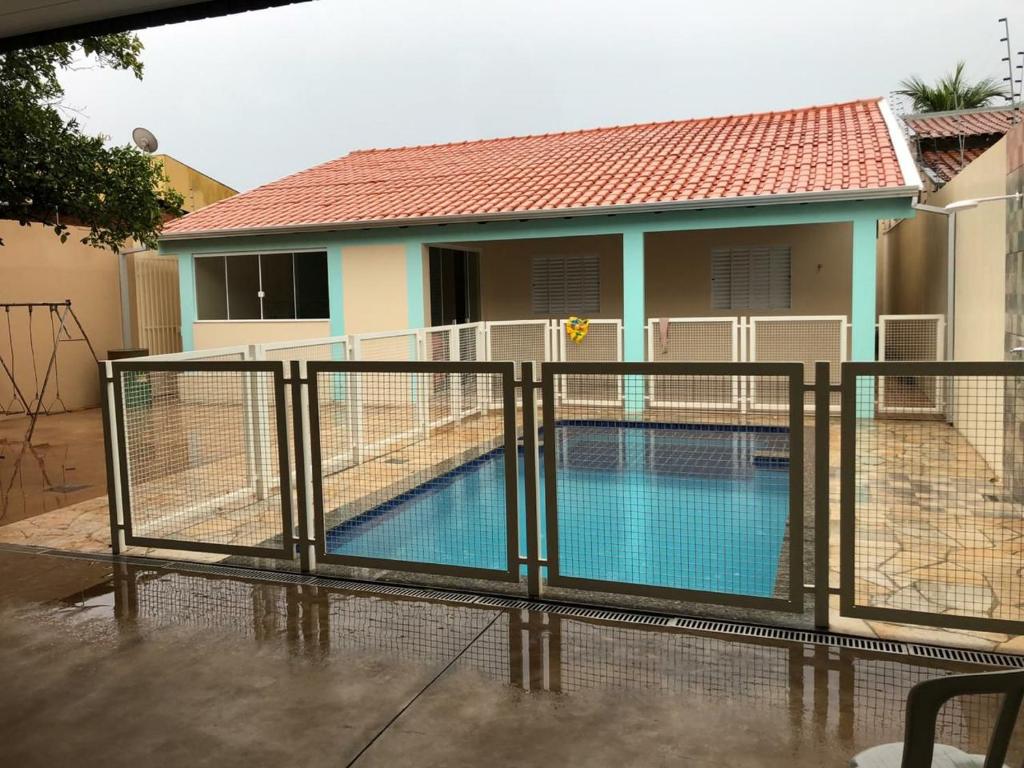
(454, 286)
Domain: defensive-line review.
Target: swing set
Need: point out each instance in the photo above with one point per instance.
(61, 319)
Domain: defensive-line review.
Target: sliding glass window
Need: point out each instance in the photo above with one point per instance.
(264, 286)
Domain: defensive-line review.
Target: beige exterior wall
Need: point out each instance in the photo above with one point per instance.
(505, 273)
(678, 269)
(913, 269)
(216, 333)
(374, 288)
(36, 266)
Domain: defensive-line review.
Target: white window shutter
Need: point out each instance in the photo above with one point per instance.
(562, 285)
(750, 278)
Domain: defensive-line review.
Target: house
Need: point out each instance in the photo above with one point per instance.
(122, 300)
(737, 217)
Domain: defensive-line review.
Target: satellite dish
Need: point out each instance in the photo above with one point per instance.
(144, 140)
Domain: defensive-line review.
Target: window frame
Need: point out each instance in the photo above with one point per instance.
(225, 255)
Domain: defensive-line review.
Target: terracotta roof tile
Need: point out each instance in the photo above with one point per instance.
(947, 164)
(965, 123)
(817, 149)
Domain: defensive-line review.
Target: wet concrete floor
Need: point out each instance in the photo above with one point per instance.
(123, 665)
(62, 465)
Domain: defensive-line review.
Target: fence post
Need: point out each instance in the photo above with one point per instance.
(455, 379)
(531, 503)
(111, 448)
(303, 470)
(252, 415)
(822, 521)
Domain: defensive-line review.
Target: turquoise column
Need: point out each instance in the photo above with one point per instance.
(335, 291)
(187, 299)
(633, 314)
(862, 303)
(414, 283)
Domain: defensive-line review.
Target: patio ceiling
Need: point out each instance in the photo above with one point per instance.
(27, 23)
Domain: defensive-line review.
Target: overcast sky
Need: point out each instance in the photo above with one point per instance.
(252, 97)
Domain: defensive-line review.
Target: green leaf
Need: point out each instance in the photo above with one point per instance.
(54, 174)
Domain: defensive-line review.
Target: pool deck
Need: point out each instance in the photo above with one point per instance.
(982, 543)
(288, 674)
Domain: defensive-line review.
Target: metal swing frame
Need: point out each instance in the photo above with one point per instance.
(64, 312)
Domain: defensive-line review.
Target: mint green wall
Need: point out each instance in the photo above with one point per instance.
(187, 296)
(414, 284)
(863, 214)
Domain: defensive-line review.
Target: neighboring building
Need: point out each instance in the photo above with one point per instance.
(763, 214)
(982, 304)
(945, 143)
(36, 266)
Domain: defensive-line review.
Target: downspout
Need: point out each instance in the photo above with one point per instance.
(950, 291)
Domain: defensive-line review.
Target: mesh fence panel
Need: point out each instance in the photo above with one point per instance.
(518, 342)
(390, 347)
(422, 487)
(911, 338)
(796, 339)
(603, 343)
(936, 514)
(200, 467)
(336, 349)
(708, 340)
(673, 498)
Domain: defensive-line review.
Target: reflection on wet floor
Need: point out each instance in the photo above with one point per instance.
(64, 464)
(240, 672)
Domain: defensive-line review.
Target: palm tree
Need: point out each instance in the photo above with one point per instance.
(950, 92)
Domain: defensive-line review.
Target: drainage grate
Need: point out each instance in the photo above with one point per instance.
(965, 656)
(395, 590)
(252, 574)
(577, 612)
(793, 635)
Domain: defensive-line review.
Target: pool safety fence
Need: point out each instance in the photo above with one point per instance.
(932, 511)
(577, 484)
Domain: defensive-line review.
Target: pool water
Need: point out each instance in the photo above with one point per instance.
(684, 507)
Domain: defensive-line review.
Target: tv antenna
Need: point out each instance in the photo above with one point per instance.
(144, 140)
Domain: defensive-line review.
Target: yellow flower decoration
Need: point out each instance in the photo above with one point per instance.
(576, 328)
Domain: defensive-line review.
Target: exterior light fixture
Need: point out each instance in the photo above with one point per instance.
(966, 205)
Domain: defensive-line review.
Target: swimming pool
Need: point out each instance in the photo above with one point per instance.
(684, 506)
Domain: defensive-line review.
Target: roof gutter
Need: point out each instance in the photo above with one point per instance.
(747, 201)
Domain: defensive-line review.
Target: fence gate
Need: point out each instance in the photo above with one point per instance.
(156, 302)
(444, 528)
(661, 504)
(911, 338)
(931, 511)
(203, 456)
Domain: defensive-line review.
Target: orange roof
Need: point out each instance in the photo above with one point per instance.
(839, 148)
(941, 125)
(948, 163)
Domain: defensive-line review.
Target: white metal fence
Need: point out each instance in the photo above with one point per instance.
(805, 339)
(911, 338)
